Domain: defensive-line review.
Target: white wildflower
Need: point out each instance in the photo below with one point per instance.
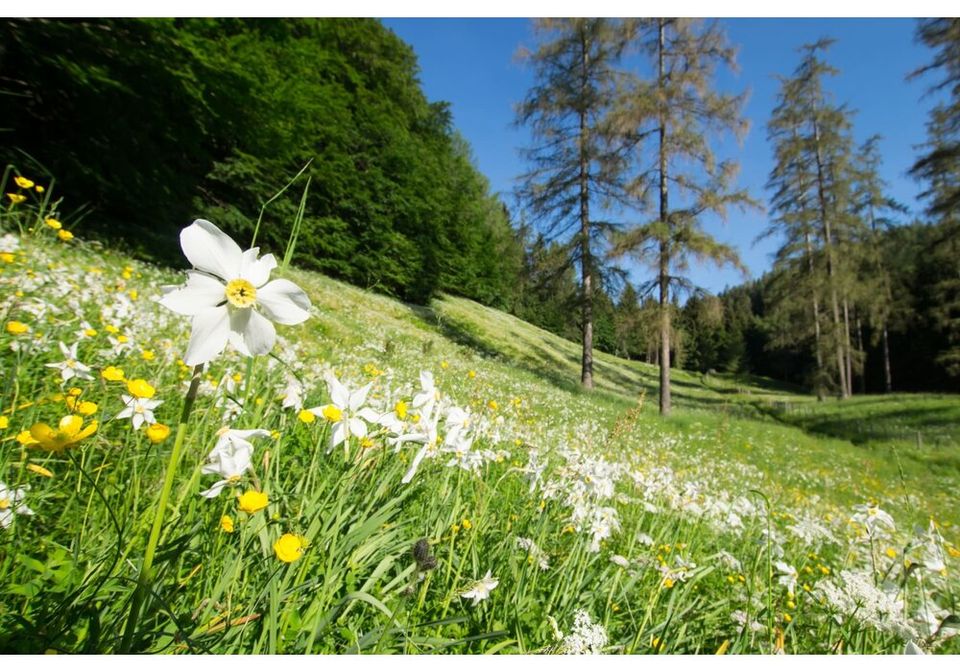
(480, 590)
(222, 292)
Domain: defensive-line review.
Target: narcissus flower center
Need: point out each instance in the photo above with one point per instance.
(241, 293)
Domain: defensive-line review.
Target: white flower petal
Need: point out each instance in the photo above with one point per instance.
(200, 292)
(257, 271)
(339, 434)
(211, 330)
(358, 428)
(338, 393)
(258, 332)
(210, 249)
(359, 396)
(407, 477)
(283, 302)
(214, 490)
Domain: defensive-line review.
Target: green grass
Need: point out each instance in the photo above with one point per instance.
(748, 446)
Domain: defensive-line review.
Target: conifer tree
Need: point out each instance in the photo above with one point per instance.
(576, 168)
(812, 183)
(669, 117)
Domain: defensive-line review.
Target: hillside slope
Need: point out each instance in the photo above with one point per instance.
(742, 522)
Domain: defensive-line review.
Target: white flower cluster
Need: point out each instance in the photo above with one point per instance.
(586, 637)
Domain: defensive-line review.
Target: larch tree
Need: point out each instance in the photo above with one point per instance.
(576, 166)
(812, 183)
(668, 118)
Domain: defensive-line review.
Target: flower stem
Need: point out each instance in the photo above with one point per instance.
(146, 569)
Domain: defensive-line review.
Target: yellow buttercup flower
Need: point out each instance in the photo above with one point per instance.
(226, 524)
(4, 422)
(289, 547)
(8, 257)
(16, 198)
(140, 388)
(471, 374)
(17, 328)
(23, 182)
(112, 373)
(81, 407)
(148, 355)
(252, 501)
(39, 189)
(64, 235)
(158, 432)
(306, 416)
(69, 432)
(401, 410)
(53, 223)
(25, 438)
(332, 413)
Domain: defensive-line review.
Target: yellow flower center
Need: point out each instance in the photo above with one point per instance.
(401, 409)
(241, 293)
(4, 504)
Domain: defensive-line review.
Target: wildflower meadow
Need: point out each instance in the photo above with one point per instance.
(249, 458)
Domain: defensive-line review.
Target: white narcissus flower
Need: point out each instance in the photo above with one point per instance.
(70, 367)
(11, 502)
(224, 291)
(230, 457)
(346, 412)
(480, 590)
(139, 410)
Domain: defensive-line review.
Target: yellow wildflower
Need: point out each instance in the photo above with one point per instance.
(400, 409)
(69, 431)
(39, 189)
(148, 355)
(226, 524)
(53, 223)
(466, 523)
(493, 405)
(289, 547)
(306, 416)
(138, 387)
(16, 198)
(444, 364)
(331, 413)
(64, 235)
(7, 257)
(17, 328)
(81, 407)
(4, 422)
(112, 373)
(158, 432)
(252, 501)
(23, 182)
(471, 374)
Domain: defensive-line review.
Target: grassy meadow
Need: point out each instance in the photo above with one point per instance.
(491, 506)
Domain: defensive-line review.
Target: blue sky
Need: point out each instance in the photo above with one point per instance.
(471, 64)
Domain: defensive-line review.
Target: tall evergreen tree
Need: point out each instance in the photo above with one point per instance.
(812, 199)
(575, 166)
(678, 107)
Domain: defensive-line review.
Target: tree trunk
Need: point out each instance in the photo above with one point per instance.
(863, 369)
(887, 378)
(664, 274)
(847, 350)
(828, 245)
(818, 383)
(586, 263)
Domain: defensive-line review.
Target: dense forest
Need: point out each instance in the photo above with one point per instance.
(147, 124)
